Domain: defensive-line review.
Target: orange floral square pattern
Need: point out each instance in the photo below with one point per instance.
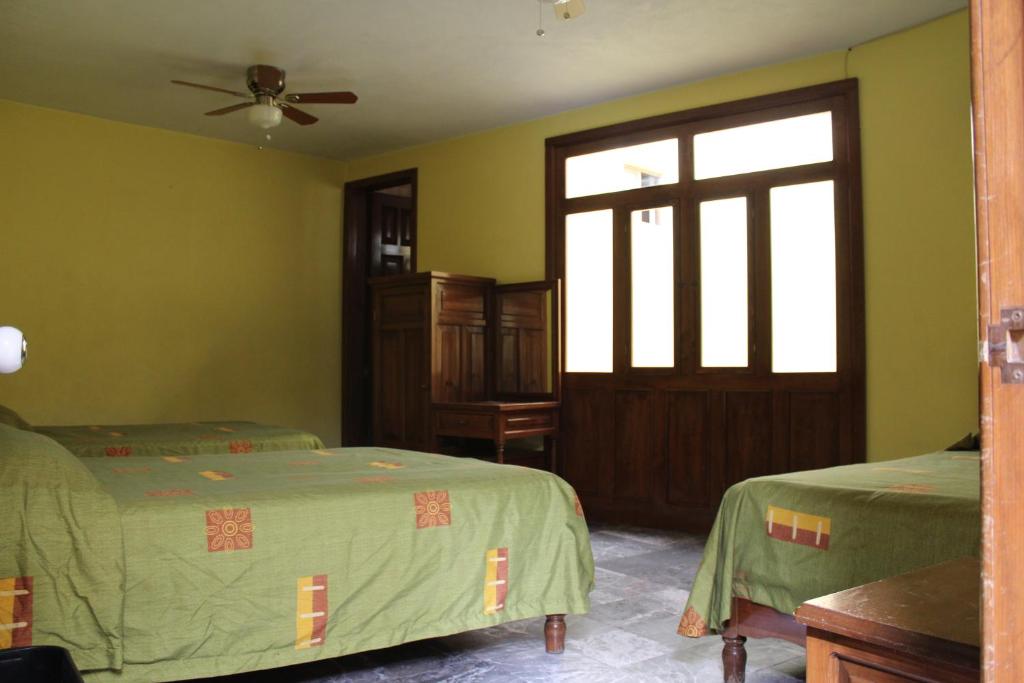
(433, 508)
(691, 625)
(119, 451)
(228, 529)
(241, 446)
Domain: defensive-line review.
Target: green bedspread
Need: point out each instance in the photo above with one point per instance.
(781, 540)
(248, 561)
(61, 564)
(190, 438)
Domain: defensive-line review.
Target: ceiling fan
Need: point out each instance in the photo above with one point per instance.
(266, 105)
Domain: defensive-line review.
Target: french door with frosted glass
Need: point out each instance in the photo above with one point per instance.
(713, 301)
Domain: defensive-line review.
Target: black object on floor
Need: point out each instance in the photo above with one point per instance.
(38, 664)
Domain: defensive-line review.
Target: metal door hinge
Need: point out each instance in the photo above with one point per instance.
(1005, 346)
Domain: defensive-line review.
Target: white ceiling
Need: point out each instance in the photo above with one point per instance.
(424, 69)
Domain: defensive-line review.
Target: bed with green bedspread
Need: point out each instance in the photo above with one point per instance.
(781, 540)
(185, 566)
(188, 438)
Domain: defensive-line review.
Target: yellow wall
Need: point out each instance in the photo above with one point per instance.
(166, 277)
(481, 212)
(162, 276)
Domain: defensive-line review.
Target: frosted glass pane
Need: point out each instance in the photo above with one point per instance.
(723, 283)
(624, 168)
(762, 146)
(803, 278)
(652, 288)
(588, 291)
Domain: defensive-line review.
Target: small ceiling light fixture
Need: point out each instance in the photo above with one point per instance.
(264, 114)
(13, 350)
(569, 9)
(564, 10)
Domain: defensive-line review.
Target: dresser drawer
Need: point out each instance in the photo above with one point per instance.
(542, 419)
(451, 423)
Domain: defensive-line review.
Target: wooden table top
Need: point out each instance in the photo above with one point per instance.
(935, 609)
(497, 406)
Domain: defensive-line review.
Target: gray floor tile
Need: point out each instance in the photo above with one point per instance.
(673, 567)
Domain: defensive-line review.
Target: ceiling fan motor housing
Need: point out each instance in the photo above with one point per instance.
(265, 80)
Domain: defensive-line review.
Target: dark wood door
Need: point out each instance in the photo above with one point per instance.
(379, 239)
(655, 433)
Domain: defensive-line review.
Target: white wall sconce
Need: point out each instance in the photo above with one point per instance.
(13, 350)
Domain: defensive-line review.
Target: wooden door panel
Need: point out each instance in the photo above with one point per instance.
(525, 308)
(390, 234)
(997, 28)
(414, 387)
(390, 388)
(533, 361)
(462, 303)
(748, 434)
(449, 365)
(635, 439)
(589, 418)
(813, 431)
(400, 307)
(389, 225)
(474, 363)
(391, 264)
(688, 482)
(507, 379)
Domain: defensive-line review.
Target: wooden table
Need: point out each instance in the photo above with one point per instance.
(499, 421)
(916, 627)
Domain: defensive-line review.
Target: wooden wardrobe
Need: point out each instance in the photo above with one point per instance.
(440, 339)
(429, 345)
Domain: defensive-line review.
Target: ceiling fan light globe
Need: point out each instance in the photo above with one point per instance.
(264, 116)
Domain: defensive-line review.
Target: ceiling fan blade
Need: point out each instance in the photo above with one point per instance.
(228, 110)
(322, 97)
(210, 87)
(297, 115)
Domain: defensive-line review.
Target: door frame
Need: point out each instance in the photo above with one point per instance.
(997, 76)
(584, 414)
(355, 300)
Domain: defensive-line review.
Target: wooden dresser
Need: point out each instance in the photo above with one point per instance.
(919, 627)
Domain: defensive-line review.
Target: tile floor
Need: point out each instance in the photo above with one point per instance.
(643, 579)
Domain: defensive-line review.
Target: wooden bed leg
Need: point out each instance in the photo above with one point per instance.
(554, 634)
(734, 659)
